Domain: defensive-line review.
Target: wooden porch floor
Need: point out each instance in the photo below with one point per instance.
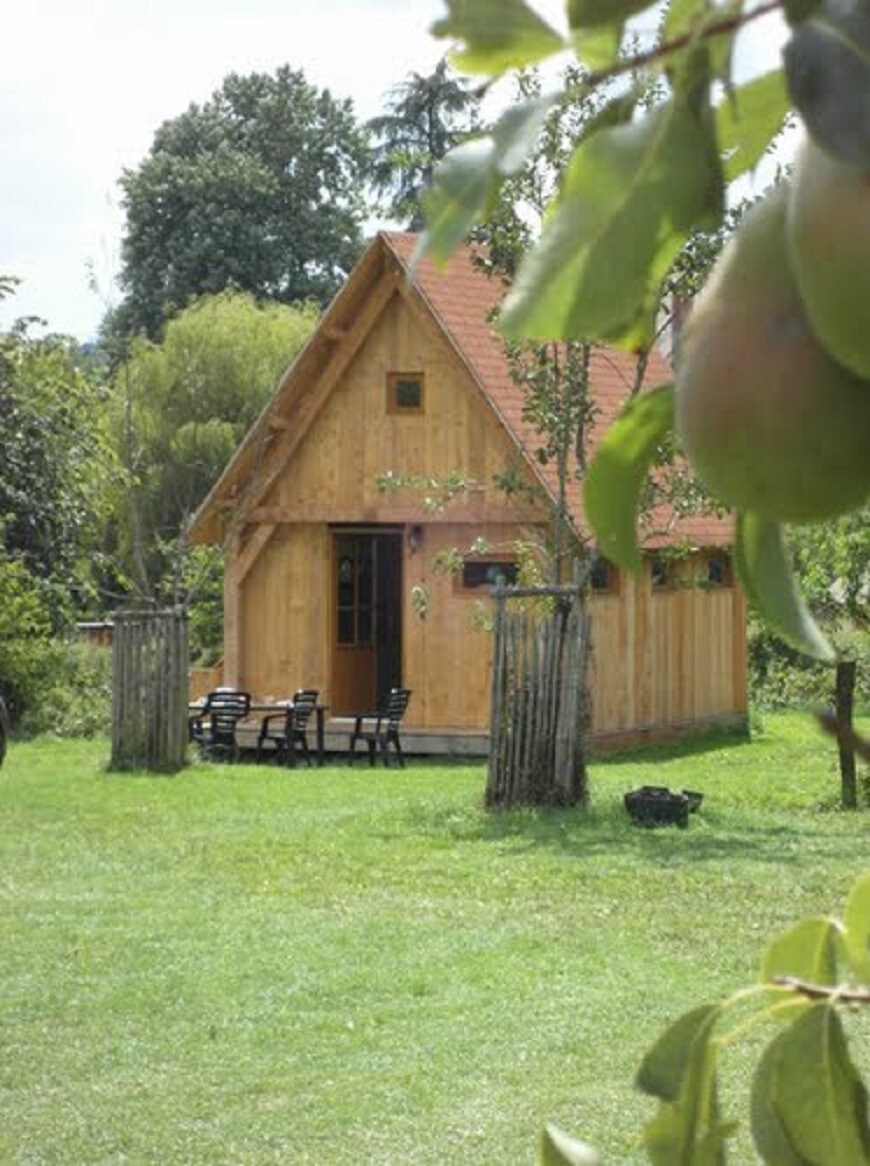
(415, 742)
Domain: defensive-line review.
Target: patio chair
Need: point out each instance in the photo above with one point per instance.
(214, 728)
(380, 729)
(288, 728)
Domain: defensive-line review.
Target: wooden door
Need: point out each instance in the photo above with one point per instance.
(366, 655)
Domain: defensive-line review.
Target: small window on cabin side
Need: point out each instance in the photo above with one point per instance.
(604, 579)
(661, 573)
(405, 392)
(486, 573)
(719, 570)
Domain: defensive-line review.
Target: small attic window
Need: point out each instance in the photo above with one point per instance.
(405, 392)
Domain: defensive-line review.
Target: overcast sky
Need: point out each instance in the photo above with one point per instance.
(85, 84)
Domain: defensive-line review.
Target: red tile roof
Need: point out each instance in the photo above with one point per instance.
(462, 298)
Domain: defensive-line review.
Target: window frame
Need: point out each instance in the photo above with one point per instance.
(668, 583)
(612, 582)
(466, 588)
(394, 380)
(727, 567)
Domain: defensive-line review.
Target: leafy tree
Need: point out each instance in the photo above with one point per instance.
(258, 189)
(56, 468)
(179, 409)
(427, 116)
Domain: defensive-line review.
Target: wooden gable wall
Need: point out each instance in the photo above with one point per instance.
(333, 472)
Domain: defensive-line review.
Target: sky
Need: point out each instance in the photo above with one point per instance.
(85, 84)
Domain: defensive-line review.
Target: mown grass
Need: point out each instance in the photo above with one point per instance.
(248, 965)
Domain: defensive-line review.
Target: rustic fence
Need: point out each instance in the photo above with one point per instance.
(537, 749)
(149, 690)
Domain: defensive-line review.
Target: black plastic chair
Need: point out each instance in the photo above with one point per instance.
(288, 728)
(380, 729)
(214, 728)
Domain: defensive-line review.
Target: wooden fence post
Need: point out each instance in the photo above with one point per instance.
(537, 746)
(149, 690)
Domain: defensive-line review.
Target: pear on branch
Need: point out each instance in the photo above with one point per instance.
(829, 245)
(771, 422)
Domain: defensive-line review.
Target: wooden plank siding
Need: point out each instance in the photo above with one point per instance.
(669, 657)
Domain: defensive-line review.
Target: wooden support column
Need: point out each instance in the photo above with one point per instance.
(739, 660)
(232, 610)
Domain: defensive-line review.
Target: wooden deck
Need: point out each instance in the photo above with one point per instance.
(474, 745)
(415, 742)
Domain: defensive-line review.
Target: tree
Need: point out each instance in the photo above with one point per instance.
(833, 563)
(56, 468)
(427, 117)
(180, 407)
(258, 189)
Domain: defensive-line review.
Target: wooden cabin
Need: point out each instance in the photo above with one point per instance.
(325, 570)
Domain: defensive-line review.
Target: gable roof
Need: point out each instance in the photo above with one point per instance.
(459, 299)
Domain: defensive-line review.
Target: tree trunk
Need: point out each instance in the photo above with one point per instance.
(845, 704)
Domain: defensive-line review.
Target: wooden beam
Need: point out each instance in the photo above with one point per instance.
(252, 549)
(309, 405)
(471, 514)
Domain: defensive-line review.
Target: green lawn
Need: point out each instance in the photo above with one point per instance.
(248, 965)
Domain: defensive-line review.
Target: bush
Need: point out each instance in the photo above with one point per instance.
(26, 637)
(75, 697)
(782, 678)
(49, 684)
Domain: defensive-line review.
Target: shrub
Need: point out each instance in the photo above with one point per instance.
(75, 698)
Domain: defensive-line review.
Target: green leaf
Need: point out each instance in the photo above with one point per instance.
(663, 1069)
(613, 485)
(595, 13)
(807, 951)
(631, 196)
(597, 48)
(770, 1135)
(680, 1069)
(769, 585)
(461, 187)
(748, 119)
(557, 1149)
(815, 1092)
(498, 34)
(856, 920)
(615, 112)
(689, 19)
(827, 64)
(515, 134)
(469, 176)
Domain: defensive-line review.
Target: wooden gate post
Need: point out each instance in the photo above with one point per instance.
(537, 739)
(149, 690)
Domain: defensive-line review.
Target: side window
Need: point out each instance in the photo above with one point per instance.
(405, 392)
(661, 573)
(719, 572)
(478, 573)
(605, 577)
